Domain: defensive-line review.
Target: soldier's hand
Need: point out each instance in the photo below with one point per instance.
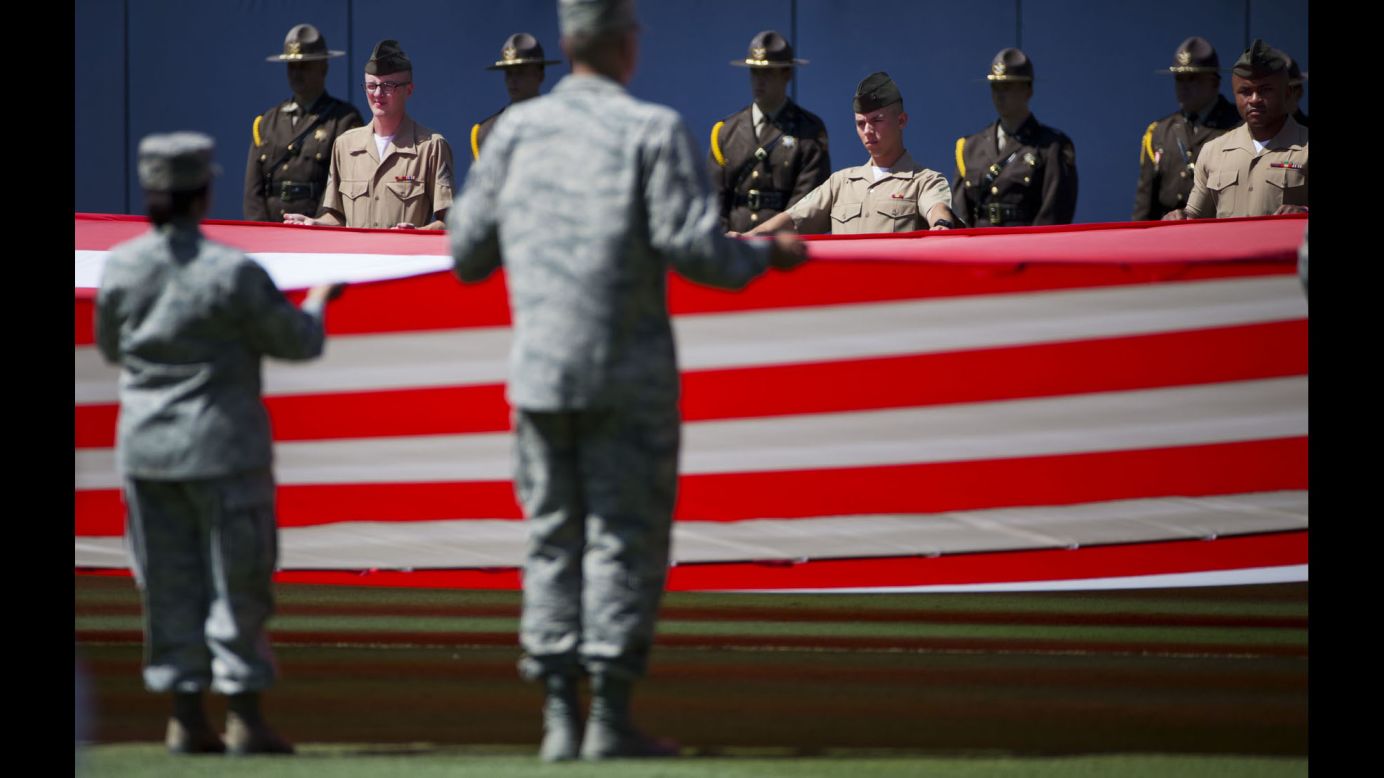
(404, 226)
(323, 293)
(1285, 208)
(734, 234)
(787, 251)
(1177, 215)
(298, 218)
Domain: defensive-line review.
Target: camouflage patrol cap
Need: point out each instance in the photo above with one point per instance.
(769, 49)
(304, 44)
(594, 17)
(521, 48)
(387, 58)
(1010, 65)
(1260, 60)
(1195, 55)
(176, 161)
(874, 92)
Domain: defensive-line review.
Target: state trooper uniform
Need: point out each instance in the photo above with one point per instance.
(189, 321)
(1296, 78)
(520, 48)
(1031, 179)
(1169, 148)
(291, 144)
(760, 164)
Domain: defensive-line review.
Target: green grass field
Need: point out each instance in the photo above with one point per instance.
(422, 682)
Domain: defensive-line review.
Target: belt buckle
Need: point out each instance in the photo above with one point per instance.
(996, 213)
(752, 199)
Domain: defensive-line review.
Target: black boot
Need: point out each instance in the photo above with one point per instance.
(610, 733)
(246, 730)
(561, 719)
(188, 730)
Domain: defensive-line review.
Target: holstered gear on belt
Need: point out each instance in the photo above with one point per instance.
(756, 199)
(1000, 214)
(292, 191)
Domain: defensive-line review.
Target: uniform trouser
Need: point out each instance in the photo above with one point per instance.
(204, 554)
(598, 489)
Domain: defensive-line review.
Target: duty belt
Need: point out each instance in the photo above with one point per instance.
(290, 191)
(758, 199)
(1000, 214)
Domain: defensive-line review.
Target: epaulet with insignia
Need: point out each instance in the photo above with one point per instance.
(1147, 147)
(960, 156)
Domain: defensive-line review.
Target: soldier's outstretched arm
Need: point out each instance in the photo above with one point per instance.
(273, 326)
(472, 226)
(684, 214)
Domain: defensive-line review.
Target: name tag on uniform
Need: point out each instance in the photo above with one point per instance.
(1286, 165)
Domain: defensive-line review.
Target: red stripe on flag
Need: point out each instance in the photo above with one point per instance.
(1223, 468)
(1077, 367)
(1190, 556)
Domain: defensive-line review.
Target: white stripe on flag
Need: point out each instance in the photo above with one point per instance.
(1106, 421)
(301, 270)
(497, 543)
(776, 337)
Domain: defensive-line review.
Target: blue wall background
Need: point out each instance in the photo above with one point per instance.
(146, 66)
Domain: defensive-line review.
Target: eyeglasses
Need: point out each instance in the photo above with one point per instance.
(385, 87)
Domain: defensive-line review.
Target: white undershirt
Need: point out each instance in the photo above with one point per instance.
(1258, 146)
(382, 142)
(881, 172)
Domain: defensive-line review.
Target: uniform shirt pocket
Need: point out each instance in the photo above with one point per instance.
(1287, 178)
(898, 209)
(845, 212)
(351, 190)
(1222, 179)
(406, 191)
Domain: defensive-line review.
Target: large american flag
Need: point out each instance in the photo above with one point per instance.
(1093, 406)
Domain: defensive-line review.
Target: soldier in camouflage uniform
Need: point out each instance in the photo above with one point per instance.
(291, 143)
(188, 321)
(589, 196)
(521, 59)
(1168, 151)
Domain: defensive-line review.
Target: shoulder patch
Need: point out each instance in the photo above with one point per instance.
(1146, 148)
(254, 130)
(960, 156)
(716, 144)
(475, 138)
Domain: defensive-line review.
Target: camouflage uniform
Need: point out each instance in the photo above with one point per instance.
(590, 196)
(188, 320)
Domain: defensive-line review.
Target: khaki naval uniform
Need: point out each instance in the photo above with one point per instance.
(284, 175)
(753, 186)
(1035, 183)
(411, 184)
(853, 202)
(1233, 179)
(1168, 155)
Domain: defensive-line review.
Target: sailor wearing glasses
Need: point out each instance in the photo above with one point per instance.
(393, 173)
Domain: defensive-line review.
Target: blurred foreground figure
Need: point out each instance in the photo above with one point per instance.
(1260, 167)
(1169, 149)
(188, 321)
(524, 66)
(291, 143)
(588, 196)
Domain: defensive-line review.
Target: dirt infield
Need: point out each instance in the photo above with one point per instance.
(1189, 672)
